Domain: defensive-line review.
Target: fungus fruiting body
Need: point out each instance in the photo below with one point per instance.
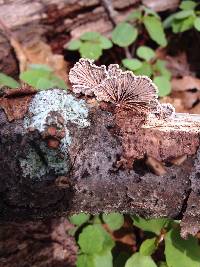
(122, 88)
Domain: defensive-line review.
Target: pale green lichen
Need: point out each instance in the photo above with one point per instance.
(35, 167)
(44, 110)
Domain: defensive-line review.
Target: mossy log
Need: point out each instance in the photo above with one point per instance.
(61, 155)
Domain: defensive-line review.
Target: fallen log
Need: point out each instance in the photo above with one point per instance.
(61, 155)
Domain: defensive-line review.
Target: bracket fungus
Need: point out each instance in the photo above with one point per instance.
(122, 88)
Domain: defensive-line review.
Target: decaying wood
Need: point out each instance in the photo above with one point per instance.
(38, 244)
(56, 22)
(66, 156)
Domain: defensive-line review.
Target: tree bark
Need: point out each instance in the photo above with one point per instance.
(40, 244)
(61, 155)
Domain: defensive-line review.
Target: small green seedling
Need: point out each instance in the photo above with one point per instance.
(8, 81)
(151, 21)
(90, 45)
(186, 18)
(38, 76)
(147, 64)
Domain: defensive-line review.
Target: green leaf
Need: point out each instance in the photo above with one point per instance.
(139, 260)
(105, 43)
(84, 260)
(79, 219)
(149, 11)
(41, 67)
(91, 239)
(146, 69)
(167, 23)
(132, 64)
(6, 80)
(134, 15)
(33, 76)
(184, 14)
(108, 242)
(187, 5)
(145, 53)
(103, 259)
(90, 50)
(160, 68)
(96, 219)
(114, 220)
(183, 25)
(124, 34)
(151, 225)
(94, 239)
(162, 264)
(44, 83)
(155, 29)
(197, 23)
(72, 231)
(148, 247)
(163, 84)
(180, 252)
(58, 82)
(90, 36)
(73, 45)
(176, 26)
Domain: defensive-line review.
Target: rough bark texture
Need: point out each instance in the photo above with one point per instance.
(63, 155)
(38, 244)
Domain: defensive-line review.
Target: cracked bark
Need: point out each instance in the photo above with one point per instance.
(106, 165)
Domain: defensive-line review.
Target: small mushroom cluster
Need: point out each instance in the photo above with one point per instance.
(122, 88)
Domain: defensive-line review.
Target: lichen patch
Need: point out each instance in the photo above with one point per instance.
(53, 108)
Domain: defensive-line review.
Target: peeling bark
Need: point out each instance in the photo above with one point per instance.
(67, 155)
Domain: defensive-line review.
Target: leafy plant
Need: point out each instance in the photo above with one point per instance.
(124, 34)
(152, 23)
(186, 18)
(39, 76)
(90, 45)
(152, 67)
(95, 247)
(42, 77)
(6, 80)
(96, 244)
(114, 220)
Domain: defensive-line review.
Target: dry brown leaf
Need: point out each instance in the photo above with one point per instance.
(176, 101)
(185, 83)
(15, 108)
(35, 52)
(190, 98)
(196, 109)
(178, 65)
(41, 53)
